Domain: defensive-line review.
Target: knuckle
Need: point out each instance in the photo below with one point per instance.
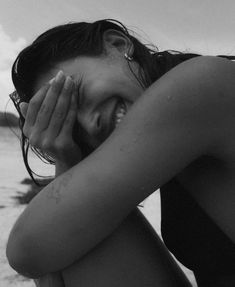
(69, 120)
(59, 114)
(44, 109)
(61, 144)
(34, 103)
(46, 144)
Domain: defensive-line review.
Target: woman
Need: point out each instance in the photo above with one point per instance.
(121, 121)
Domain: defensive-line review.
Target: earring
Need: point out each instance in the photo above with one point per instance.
(128, 58)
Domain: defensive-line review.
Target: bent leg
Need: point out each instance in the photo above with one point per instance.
(132, 256)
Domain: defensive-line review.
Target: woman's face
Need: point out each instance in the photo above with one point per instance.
(106, 89)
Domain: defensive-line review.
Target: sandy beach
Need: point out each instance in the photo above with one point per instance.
(12, 173)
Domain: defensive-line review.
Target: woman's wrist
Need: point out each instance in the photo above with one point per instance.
(63, 164)
(61, 167)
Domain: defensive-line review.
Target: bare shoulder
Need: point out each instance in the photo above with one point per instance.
(209, 64)
(200, 92)
(211, 78)
(209, 71)
(216, 79)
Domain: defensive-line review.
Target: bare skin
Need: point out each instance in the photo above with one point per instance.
(188, 113)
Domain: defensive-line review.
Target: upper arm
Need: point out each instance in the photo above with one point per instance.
(179, 118)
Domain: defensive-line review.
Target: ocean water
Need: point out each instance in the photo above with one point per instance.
(12, 172)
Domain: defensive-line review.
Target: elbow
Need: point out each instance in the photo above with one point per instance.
(22, 258)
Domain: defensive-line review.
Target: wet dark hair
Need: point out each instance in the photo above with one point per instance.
(72, 40)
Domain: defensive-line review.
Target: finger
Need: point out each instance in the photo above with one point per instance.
(67, 128)
(61, 108)
(34, 106)
(24, 108)
(49, 103)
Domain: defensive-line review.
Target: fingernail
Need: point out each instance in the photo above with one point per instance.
(59, 76)
(68, 82)
(51, 81)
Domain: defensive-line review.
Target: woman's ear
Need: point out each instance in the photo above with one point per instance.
(116, 39)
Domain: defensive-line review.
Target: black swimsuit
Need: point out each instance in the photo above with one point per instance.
(192, 236)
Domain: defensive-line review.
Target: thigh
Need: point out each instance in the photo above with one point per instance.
(50, 280)
(132, 256)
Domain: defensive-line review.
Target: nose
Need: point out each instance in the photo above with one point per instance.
(91, 123)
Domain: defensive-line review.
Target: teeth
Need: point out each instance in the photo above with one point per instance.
(120, 113)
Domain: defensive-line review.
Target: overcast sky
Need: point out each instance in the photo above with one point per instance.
(203, 26)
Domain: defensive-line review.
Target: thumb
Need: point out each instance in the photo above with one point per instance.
(24, 108)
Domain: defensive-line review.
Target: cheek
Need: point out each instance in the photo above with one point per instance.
(101, 89)
(107, 87)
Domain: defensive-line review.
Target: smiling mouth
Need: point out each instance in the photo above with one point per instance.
(119, 113)
(117, 116)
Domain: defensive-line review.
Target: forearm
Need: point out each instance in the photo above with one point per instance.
(53, 279)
